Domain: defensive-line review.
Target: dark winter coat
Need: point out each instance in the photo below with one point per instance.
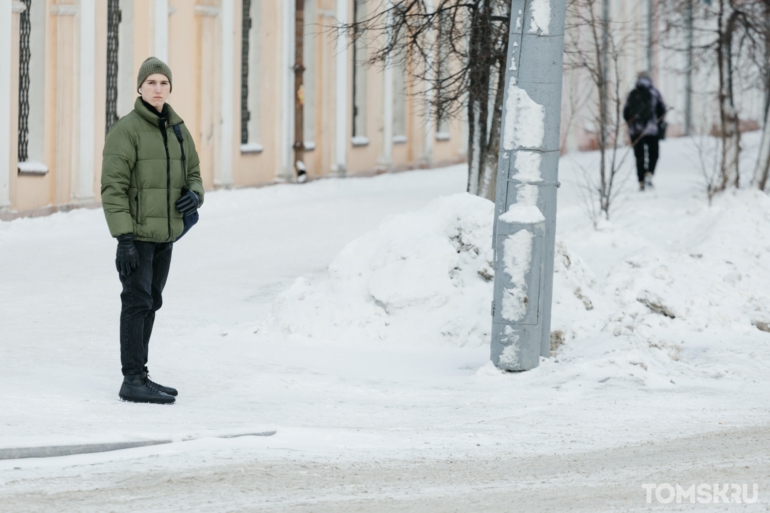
(644, 110)
(142, 175)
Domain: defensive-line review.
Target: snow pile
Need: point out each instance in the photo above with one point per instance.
(426, 278)
(419, 278)
(691, 311)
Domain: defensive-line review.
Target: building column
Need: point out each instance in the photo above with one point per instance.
(227, 19)
(161, 30)
(427, 155)
(387, 143)
(67, 96)
(7, 10)
(84, 190)
(341, 146)
(286, 172)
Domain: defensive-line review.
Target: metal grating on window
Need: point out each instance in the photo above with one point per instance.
(24, 57)
(245, 114)
(113, 26)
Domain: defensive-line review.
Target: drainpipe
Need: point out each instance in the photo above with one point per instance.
(299, 91)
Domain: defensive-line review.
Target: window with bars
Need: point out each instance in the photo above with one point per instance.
(113, 31)
(245, 42)
(25, 54)
(251, 65)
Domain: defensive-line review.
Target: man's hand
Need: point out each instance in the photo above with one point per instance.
(188, 203)
(127, 259)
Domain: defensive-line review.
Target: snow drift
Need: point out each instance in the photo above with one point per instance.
(426, 277)
(419, 278)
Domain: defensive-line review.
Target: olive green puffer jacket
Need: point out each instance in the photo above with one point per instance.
(142, 175)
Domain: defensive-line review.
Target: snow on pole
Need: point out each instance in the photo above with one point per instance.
(525, 210)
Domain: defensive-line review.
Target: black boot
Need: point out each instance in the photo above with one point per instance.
(138, 389)
(165, 390)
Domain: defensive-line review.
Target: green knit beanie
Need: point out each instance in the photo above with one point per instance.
(151, 66)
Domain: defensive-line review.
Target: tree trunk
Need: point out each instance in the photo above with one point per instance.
(489, 172)
(731, 135)
(763, 163)
(476, 128)
(478, 95)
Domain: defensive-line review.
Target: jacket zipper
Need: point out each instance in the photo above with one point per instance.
(162, 125)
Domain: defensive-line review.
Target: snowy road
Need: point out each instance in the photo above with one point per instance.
(222, 480)
(272, 320)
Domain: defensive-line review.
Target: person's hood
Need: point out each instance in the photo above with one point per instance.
(644, 82)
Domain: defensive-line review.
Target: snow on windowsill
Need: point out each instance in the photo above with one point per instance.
(359, 140)
(32, 167)
(443, 136)
(399, 139)
(252, 148)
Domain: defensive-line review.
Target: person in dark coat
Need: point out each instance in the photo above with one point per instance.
(644, 113)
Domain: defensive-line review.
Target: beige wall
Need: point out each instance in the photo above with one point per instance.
(195, 36)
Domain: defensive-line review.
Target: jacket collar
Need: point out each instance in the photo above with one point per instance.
(152, 116)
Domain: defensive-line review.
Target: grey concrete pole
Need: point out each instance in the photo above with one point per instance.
(527, 178)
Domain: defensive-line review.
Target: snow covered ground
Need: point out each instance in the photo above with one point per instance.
(352, 316)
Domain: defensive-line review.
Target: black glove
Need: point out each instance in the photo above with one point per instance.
(188, 203)
(127, 259)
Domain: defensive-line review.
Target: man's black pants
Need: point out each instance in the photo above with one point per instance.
(141, 298)
(650, 142)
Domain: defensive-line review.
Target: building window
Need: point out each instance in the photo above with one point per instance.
(113, 30)
(246, 35)
(32, 88)
(359, 76)
(25, 55)
(251, 51)
(125, 51)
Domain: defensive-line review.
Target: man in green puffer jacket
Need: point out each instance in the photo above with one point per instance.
(150, 181)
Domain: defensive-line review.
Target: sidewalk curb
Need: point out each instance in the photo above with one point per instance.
(56, 451)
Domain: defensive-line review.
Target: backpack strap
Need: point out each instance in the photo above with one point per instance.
(180, 138)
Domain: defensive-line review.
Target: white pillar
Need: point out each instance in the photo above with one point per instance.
(85, 186)
(6, 45)
(427, 155)
(342, 138)
(228, 43)
(287, 119)
(387, 152)
(161, 30)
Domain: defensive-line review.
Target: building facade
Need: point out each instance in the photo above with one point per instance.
(68, 71)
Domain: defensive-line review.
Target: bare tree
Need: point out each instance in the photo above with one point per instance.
(732, 34)
(594, 49)
(458, 50)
